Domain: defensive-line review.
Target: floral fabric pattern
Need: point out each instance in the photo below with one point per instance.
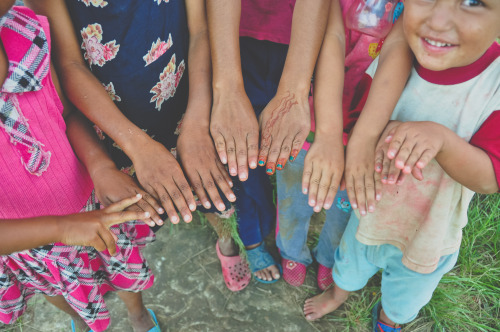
(97, 53)
(157, 50)
(110, 89)
(159, 1)
(95, 3)
(169, 80)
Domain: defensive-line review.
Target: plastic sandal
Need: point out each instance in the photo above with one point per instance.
(379, 326)
(235, 272)
(157, 326)
(294, 273)
(73, 327)
(325, 278)
(259, 258)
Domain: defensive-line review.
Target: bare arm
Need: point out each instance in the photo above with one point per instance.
(324, 163)
(395, 60)
(233, 125)
(285, 122)
(157, 170)
(201, 164)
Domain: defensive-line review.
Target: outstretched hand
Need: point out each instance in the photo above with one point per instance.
(285, 124)
(161, 176)
(323, 168)
(203, 167)
(235, 132)
(92, 228)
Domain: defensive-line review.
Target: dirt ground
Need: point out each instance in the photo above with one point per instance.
(189, 293)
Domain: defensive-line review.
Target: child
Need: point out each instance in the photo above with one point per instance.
(446, 134)
(47, 246)
(321, 163)
(145, 68)
(268, 63)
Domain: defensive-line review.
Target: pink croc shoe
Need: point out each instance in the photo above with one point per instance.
(294, 273)
(235, 272)
(325, 278)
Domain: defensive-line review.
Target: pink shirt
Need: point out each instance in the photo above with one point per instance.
(267, 20)
(65, 186)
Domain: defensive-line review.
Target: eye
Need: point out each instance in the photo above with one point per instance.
(472, 3)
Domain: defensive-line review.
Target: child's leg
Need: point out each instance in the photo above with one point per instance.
(60, 303)
(352, 270)
(333, 229)
(138, 315)
(294, 213)
(405, 292)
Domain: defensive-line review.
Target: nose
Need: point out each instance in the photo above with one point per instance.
(441, 16)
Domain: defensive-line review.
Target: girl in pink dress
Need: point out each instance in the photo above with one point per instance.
(47, 246)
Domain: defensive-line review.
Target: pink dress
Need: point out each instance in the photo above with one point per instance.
(41, 175)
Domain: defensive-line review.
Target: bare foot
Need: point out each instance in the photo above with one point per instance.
(324, 303)
(142, 322)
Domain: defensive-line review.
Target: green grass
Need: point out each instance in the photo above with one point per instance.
(467, 299)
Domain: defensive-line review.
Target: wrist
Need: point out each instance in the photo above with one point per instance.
(300, 88)
(98, 171)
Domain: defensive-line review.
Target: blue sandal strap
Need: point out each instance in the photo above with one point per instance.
(259, 258)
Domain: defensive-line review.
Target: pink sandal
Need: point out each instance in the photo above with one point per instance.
(235, 272)
(325, 278)
(294, 273)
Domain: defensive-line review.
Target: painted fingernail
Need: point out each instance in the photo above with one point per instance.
(192, 207)
(291, 158)
(232, 197)
(262, 161)
(279, 167)
(378, 168)
(270, 168)
(304, 191)
(161, 211)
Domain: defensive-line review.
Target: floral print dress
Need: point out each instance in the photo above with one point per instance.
(138, 50)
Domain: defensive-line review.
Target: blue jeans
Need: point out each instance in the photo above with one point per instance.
(295, 214)
(404, 291)
(262, 64)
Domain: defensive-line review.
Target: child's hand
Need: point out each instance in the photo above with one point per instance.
(362, 183)
(161, 176)
(285, 124)
(323, 168)
(203, 167)
(112, 185)
(412, 145)
(235, 131)
(92, 228)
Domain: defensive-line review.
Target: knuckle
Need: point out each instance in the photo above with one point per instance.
(165, 197)
(253, 147)
(175, 195)
(315, 181)
(230, 149)
(242, 152)
(209, 184)
(184, 187)
(360, 189)
(286, 148)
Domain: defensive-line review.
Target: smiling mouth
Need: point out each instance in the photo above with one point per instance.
(437, 43)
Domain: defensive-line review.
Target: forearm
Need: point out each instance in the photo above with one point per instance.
(223, 23)
(200, 75)
(21, 234)
(395, 62)
(467, 164)
(308, 29)
(329, 78)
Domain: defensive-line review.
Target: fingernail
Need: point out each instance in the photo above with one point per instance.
(174, 220)
(270, 168)
(231, 184)
(192, 207)
(243, 176)
(312, 202)
(206, 205)
(138, 195)
(232, 197)
(262, 161)
(222, 206)
(159, 221)
(354, 205)
(304, 191)
(147, 214)
(327, 206)
(363, 213)
(378, 168)
(187, 218)
(391, 154)
(371, 208)
(223, 160)
(291, 158)
(279, 166)
(253, 164)
(378, 197)
(161, 211)
(407, 169)
(232, 171)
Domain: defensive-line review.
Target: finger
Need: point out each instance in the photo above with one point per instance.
(359, 187)
(370, 192)
(149, 221)
(417, 174)
(265, 144)
(168, 204)
(410, 163)
(404, 153)
(351, 193)
(221, 182)
(253, 149)
(211, 187)
(401, 178)
(297, 144)
(306, 177)
(152, 202)
(198, 186)
(379, 159)
(231, 157)
(395, 145)
(425, 158)
(314, 187)
(119, 217)
(272, 157)
(378, 186)
(147, 207)
(386, 164)
(183, 198)
(242, 159)
(323, 188)
(332, 191)
(124, 203)
(393, 173)
(284, 153)
(109, 241)
(220, 146)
